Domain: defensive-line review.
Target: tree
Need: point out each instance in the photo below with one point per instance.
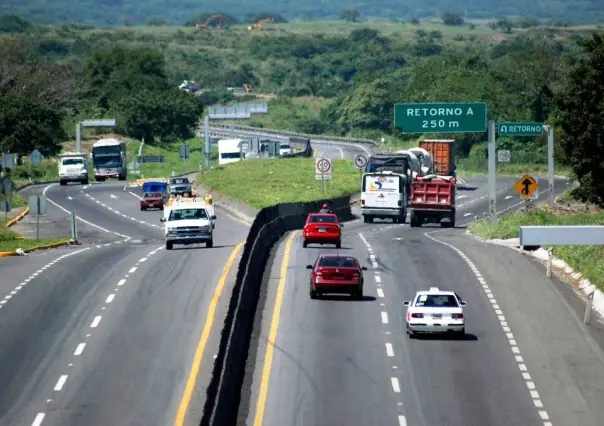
(132, 84)
(168, 115)
(350, 15)
(370, 106)
(36, 97)
(453, 19)
(581, 118)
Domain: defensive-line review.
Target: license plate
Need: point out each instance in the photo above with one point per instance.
(437, 316)
(322, 229)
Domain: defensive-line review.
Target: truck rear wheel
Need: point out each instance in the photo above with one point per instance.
(62, 182)
(168, 245)
(209, 243)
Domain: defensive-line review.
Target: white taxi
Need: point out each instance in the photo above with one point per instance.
(435, 311)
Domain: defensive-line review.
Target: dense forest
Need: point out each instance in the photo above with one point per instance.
(52, 76)
(118, 12)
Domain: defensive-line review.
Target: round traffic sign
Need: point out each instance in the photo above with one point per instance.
(323, 165)
(360, 161)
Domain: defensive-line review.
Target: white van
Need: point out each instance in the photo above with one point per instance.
(285, 149)
(73, 167)
(383, 195)
(230, 151)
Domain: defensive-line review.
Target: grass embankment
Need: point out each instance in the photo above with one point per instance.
(588, 260)
(11, 240)
(172, 161)
(262, 183)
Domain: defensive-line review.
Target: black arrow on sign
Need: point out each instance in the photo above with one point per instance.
(527, 184)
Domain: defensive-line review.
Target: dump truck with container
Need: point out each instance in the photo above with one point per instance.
(432, 200)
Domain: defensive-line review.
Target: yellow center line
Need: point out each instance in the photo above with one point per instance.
(272, 335)
(203, 341)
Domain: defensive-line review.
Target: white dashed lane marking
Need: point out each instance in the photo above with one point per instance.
(96, 321)
(389, 349)
(380, 293)
(384, 317)
(395, 385)
(110, 298)
(506, 328)
(60, 383)
(79, 349)
(38, 420)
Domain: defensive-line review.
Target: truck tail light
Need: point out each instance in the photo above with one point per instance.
(417, 315)
(362, 202)
(457, 316)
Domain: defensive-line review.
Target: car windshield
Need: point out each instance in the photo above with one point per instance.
(72, 161)
(437, 301)
(285, 146)
(186, 214)
(180, 181)
(152, 195)
(338, 262)
(323, 219)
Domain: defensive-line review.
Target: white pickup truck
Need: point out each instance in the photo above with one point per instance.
(190, 222)
(73, 167)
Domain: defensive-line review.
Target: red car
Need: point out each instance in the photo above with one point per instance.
(152, 200)
(333, 273)
(322, 228)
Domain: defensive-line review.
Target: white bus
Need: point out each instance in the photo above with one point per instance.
(109, 159)
(231, 150)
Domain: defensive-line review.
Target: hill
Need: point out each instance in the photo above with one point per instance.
(116, 12)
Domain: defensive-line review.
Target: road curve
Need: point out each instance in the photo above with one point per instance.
(109, 334)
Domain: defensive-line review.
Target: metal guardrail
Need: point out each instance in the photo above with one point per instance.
(285, 133)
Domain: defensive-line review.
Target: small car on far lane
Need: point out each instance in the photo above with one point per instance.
(333, 273)
(435, 311)
(322, 228)
(152, 200)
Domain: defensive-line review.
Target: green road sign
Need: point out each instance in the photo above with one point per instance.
(441, 117)
(519, 129)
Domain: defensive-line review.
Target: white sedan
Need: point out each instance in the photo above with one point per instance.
(435, 311)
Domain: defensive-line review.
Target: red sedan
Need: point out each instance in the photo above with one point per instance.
(152, 200)
(322, 228)
(333, 273)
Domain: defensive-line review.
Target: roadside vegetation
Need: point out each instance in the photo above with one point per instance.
(262, 183)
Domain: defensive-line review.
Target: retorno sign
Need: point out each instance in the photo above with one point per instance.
(441, 117)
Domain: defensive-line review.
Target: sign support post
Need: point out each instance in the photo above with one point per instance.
(550, 164)
(492, 175)
(206, 133)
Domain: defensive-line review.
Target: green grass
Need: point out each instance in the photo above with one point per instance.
(588, 260)
(172, 161)
(12, 245)
(285, 113)
(262, 183)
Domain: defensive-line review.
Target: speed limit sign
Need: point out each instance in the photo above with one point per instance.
(323, 165)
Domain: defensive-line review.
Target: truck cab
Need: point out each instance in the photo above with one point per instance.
(384, 196)
(189, 223)
(73, 167)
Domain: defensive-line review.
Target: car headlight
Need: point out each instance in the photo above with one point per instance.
(205, 228)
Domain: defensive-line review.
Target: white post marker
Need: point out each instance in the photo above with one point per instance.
(550, 164)
(492, 177)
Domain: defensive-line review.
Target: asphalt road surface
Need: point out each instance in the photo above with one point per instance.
(525, 360)
(107, 336)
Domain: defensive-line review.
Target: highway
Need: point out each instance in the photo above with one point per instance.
(525, 359)
(110, 334)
